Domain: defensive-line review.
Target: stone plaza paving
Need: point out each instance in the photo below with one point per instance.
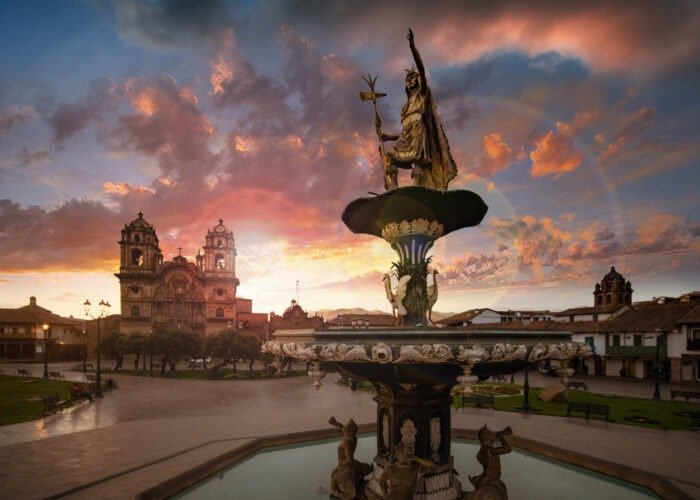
(152, 429)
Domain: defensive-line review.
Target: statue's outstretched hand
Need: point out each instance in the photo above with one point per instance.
(410, 36)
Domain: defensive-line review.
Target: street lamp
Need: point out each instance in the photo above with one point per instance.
(657, 392)
(526, 391)
(150, 349)
(45, 327)
(84, 350)
(103, 311)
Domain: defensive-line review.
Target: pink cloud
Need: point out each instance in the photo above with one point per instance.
(555, 153)
(496, 156)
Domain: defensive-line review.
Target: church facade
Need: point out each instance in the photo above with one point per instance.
(199, 296)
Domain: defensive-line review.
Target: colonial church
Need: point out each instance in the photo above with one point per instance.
(199, 296)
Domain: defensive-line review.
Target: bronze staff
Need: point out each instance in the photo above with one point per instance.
(390, 171)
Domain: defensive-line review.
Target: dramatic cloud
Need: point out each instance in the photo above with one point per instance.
(480, 268)
(70, 118)
(79, 234)
(14, 115)
(555, 153)
(167, 125)
(497, 156)
(631, 131)
(168, 24)
(638, 36)
(119, 189)
(26, 157)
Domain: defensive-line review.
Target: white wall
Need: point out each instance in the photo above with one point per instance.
(487, 316)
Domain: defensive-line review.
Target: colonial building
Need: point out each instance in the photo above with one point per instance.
(295, 318)
(488, 316)
(611, 296)
(22, 334)
(199, 296)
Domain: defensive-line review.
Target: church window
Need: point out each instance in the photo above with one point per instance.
(600, 300)
(219, 243)
(137, 257)
(220, 292)
(220, 312)
(134, 289)
(219, 261)
(179, 308)
(137, 238)
(135, 312)
(608, 299)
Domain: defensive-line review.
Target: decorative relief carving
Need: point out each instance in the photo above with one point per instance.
(408, 435)
(537, 353)
(436, 353)
(435, 439)
(508, 352)
(343, 352)
(381, 353)
(299, 351)
(385, 430)
(418, 226)
(473, 355)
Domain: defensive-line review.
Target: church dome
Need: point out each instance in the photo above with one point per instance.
(613, 280)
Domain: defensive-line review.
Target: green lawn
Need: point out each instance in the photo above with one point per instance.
(20, 397)
(621, 407)
(226, 374)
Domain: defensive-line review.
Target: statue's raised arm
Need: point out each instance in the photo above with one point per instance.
(422, 145)
(419, 62)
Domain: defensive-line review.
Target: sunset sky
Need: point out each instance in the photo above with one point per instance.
(577, 122)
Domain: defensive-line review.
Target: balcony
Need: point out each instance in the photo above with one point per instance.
(634, 351)
(693, 345)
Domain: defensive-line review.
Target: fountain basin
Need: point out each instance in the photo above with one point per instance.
(302, 471)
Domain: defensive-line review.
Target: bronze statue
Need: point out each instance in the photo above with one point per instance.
(347, 479)
(398, 481)
(488, 484)
(422, 145)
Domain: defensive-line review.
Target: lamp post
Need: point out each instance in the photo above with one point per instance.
(103, 311)
(657, 392)
(150, 350)
(45, 327)
(84, 350)
(526, 391)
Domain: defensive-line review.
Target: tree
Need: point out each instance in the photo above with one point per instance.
(249, 347)
(136, 345)
(115, 345)
(222, 346)
(172, 344)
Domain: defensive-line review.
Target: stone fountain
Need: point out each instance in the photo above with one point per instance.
(414, 366)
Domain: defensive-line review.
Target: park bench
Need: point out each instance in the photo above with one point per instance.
(56, 375)
(577, 386)
(22, 372)
(684, 394)
(193, 365)
(479, 400)
(589, 409)
(90, 377)
(111, 384)
(52, 403)
(78, 394)
(695, 417)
